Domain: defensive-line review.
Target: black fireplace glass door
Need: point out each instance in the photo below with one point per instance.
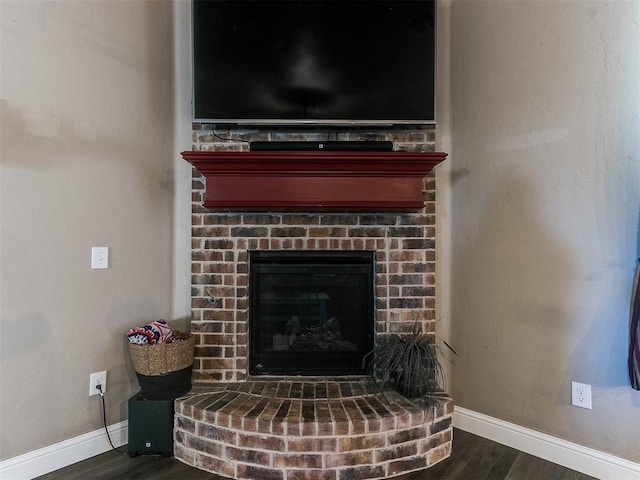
(311, 313)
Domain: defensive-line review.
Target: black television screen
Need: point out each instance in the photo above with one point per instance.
(314, 61)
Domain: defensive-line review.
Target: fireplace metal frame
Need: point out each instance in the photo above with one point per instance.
(314, 363)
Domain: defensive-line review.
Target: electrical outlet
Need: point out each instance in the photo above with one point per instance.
(581, 395)
(97, 378)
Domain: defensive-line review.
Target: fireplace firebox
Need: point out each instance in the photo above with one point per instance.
(311, 312)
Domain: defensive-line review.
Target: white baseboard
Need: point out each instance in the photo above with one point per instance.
(571, 455)
(586, 460)
(62, 454)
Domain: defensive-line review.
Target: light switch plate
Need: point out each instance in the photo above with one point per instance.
(99, 257)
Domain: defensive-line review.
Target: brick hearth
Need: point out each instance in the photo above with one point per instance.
(312, 429)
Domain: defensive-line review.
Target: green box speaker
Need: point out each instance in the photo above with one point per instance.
(150, 427)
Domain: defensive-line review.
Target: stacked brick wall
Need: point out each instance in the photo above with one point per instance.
(210, 137)
(404, 244)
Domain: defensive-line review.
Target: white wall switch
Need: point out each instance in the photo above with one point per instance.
(99, 257)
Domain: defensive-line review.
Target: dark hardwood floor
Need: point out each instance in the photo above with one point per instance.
(473, 458)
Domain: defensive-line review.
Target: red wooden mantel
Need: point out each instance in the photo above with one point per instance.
(314, 181)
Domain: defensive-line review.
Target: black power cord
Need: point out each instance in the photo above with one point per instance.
(104, 419)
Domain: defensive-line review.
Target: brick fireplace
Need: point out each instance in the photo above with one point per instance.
(405, 276)
(356, 435)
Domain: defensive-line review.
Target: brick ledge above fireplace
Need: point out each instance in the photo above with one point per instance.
(314, 181)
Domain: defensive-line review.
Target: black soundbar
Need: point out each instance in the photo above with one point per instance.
(331, 146)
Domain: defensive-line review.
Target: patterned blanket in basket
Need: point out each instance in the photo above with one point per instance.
(151, 334)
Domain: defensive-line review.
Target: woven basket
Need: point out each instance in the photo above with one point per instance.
(162, 358)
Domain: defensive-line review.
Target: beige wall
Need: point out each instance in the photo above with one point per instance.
(87, 160)
(537, 232)
(545, 169)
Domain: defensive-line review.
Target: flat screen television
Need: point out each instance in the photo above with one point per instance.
(335, 62)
